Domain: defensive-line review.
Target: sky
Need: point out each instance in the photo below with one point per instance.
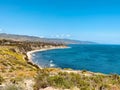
(86, 20)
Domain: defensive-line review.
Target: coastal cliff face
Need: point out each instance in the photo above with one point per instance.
(16, 73)
(25, 46)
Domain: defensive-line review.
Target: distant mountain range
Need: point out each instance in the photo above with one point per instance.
(35, 39)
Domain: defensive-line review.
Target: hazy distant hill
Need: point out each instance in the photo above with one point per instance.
(34, 39)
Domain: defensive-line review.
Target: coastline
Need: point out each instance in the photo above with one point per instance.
(86, 73)
(29, 53)
(29, 56)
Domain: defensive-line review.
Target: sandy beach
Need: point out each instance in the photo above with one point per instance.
(29, 54)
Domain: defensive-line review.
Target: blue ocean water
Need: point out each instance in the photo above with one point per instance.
(95, 58)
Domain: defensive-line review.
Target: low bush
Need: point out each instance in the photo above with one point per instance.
(1, 80)
(12, 87)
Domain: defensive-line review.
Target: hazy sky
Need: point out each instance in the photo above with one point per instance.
(91, 20)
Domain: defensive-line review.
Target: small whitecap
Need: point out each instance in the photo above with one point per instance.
(52, 65)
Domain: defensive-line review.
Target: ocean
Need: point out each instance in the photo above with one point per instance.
(96, 58)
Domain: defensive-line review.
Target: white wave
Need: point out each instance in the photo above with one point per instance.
(52, 65)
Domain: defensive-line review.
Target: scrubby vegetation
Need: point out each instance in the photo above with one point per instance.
(14, 65)
(12, 87)
(1, 80)
(11, 63)
(80, 80)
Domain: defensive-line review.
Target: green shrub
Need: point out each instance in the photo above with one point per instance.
(104, 87)
(1, 80)
(12, 87)
(41, 80)
(16, 80)
(84, 71)
(57, 81)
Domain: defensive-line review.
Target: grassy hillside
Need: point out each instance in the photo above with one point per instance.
(13, 66)
(76, 80)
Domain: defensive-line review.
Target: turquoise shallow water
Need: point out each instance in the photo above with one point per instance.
(95, 58)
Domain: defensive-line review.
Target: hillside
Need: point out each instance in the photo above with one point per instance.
(38, 39)
(15, 67)
(16, 73)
